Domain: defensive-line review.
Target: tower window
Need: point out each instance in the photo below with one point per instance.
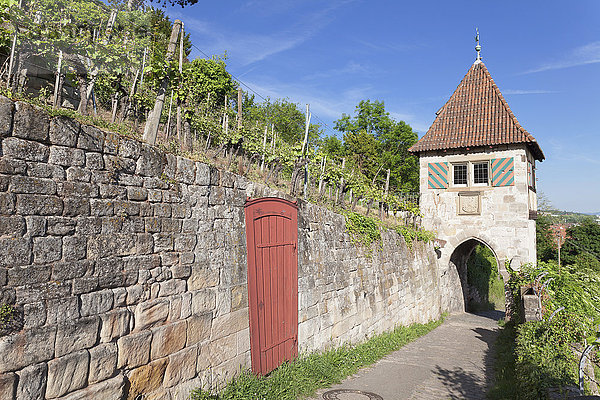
(460, 174)
(480, 173)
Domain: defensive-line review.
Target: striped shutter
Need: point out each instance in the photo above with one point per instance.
(531, 175)
(438, 175)
(503, 171)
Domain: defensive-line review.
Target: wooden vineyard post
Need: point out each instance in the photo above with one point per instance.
(57, 82)
(11, 61)
(264, 149)
(151, 128)
(239, 110)
(180, 135)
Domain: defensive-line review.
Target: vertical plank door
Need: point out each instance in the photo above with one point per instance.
(272, 241)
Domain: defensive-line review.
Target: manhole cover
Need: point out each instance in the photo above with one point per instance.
(350, 394)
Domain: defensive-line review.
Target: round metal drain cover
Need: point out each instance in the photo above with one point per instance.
(350, 394)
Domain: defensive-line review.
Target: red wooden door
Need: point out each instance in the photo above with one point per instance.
(272, 238)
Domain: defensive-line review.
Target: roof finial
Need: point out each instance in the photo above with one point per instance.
(478, 47)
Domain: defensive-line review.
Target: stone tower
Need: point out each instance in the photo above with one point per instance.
(477, 177)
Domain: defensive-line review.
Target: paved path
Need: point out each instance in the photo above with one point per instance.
(453, 361)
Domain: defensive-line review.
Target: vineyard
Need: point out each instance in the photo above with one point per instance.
(126, 67)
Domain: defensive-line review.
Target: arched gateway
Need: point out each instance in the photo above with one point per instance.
(477, 179)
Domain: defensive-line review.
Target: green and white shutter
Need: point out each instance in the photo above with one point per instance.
(503, 171)
(438, 175)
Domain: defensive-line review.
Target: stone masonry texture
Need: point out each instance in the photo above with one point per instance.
(128, 268)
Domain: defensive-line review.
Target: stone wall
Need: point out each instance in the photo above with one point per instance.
(128, 268)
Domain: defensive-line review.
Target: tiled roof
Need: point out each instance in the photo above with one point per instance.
(476, 115)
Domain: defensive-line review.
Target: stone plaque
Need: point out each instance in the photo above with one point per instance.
(468, 203)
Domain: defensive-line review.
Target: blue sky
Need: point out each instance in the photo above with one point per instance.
(544, 56)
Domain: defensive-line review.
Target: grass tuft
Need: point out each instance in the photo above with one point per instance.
(305, 375)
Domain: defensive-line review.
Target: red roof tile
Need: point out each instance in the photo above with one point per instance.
(476, 115)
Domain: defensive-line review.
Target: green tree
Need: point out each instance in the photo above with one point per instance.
(546, 246)
(582, 247)
(376, 142)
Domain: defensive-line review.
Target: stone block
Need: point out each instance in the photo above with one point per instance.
(96, 302)
(202, 278)
(28, 275)
(47, 249)
(71, 269)
(110, 272)
(74, 249)
(199, 328)
(154, 195)
(126, 208)
(25, 149)
(76, 335)
(94, 161)
(203, 300)
(112, 192)
(103, 362)
(168, 339)
(130, 148)
(15, 251)
(7, 203)
(36, 204)
(129, 180)
(64, 131)
(78, 174)
(163, 242)
(27, 347)
(151, 313)
(66, 156)
(110, 389)
(43, 170)
(150, 162)
(76, 207)
(115, 324)
(220, 350)
(202, 174)
(137, 193)
(62, 309)
(90, 138)
(34, 315)
(60, 226)
(134, 349)
(112, 143)
(7, 108)
(110, 246)
(148, 378)
(85, 284)
(162, 210)
(30, 122)
(101, 207)
(243, 341)
(26, 184)
(239, 297)
(77, 189)
(230, 323)
(8, 386)
(11, 166)
(179, 370)
(186, 170)
(172, 287)
(67, 374)
(32, 382)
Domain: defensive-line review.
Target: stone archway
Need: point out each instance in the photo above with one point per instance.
(458, 260)
(453, 262)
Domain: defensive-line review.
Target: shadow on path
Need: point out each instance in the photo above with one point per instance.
(465, 384)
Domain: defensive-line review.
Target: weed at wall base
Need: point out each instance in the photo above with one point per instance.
(307, 374)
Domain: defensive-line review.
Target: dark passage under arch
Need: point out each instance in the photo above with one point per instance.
(477, 266)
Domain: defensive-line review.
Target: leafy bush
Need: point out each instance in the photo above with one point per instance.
(411, 234)
(364, 229)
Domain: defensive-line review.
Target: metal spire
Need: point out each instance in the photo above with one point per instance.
(478, 47)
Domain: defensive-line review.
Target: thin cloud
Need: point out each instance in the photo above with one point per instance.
(519, 91)
(247, 48)
(583, 55)
(350, 68)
